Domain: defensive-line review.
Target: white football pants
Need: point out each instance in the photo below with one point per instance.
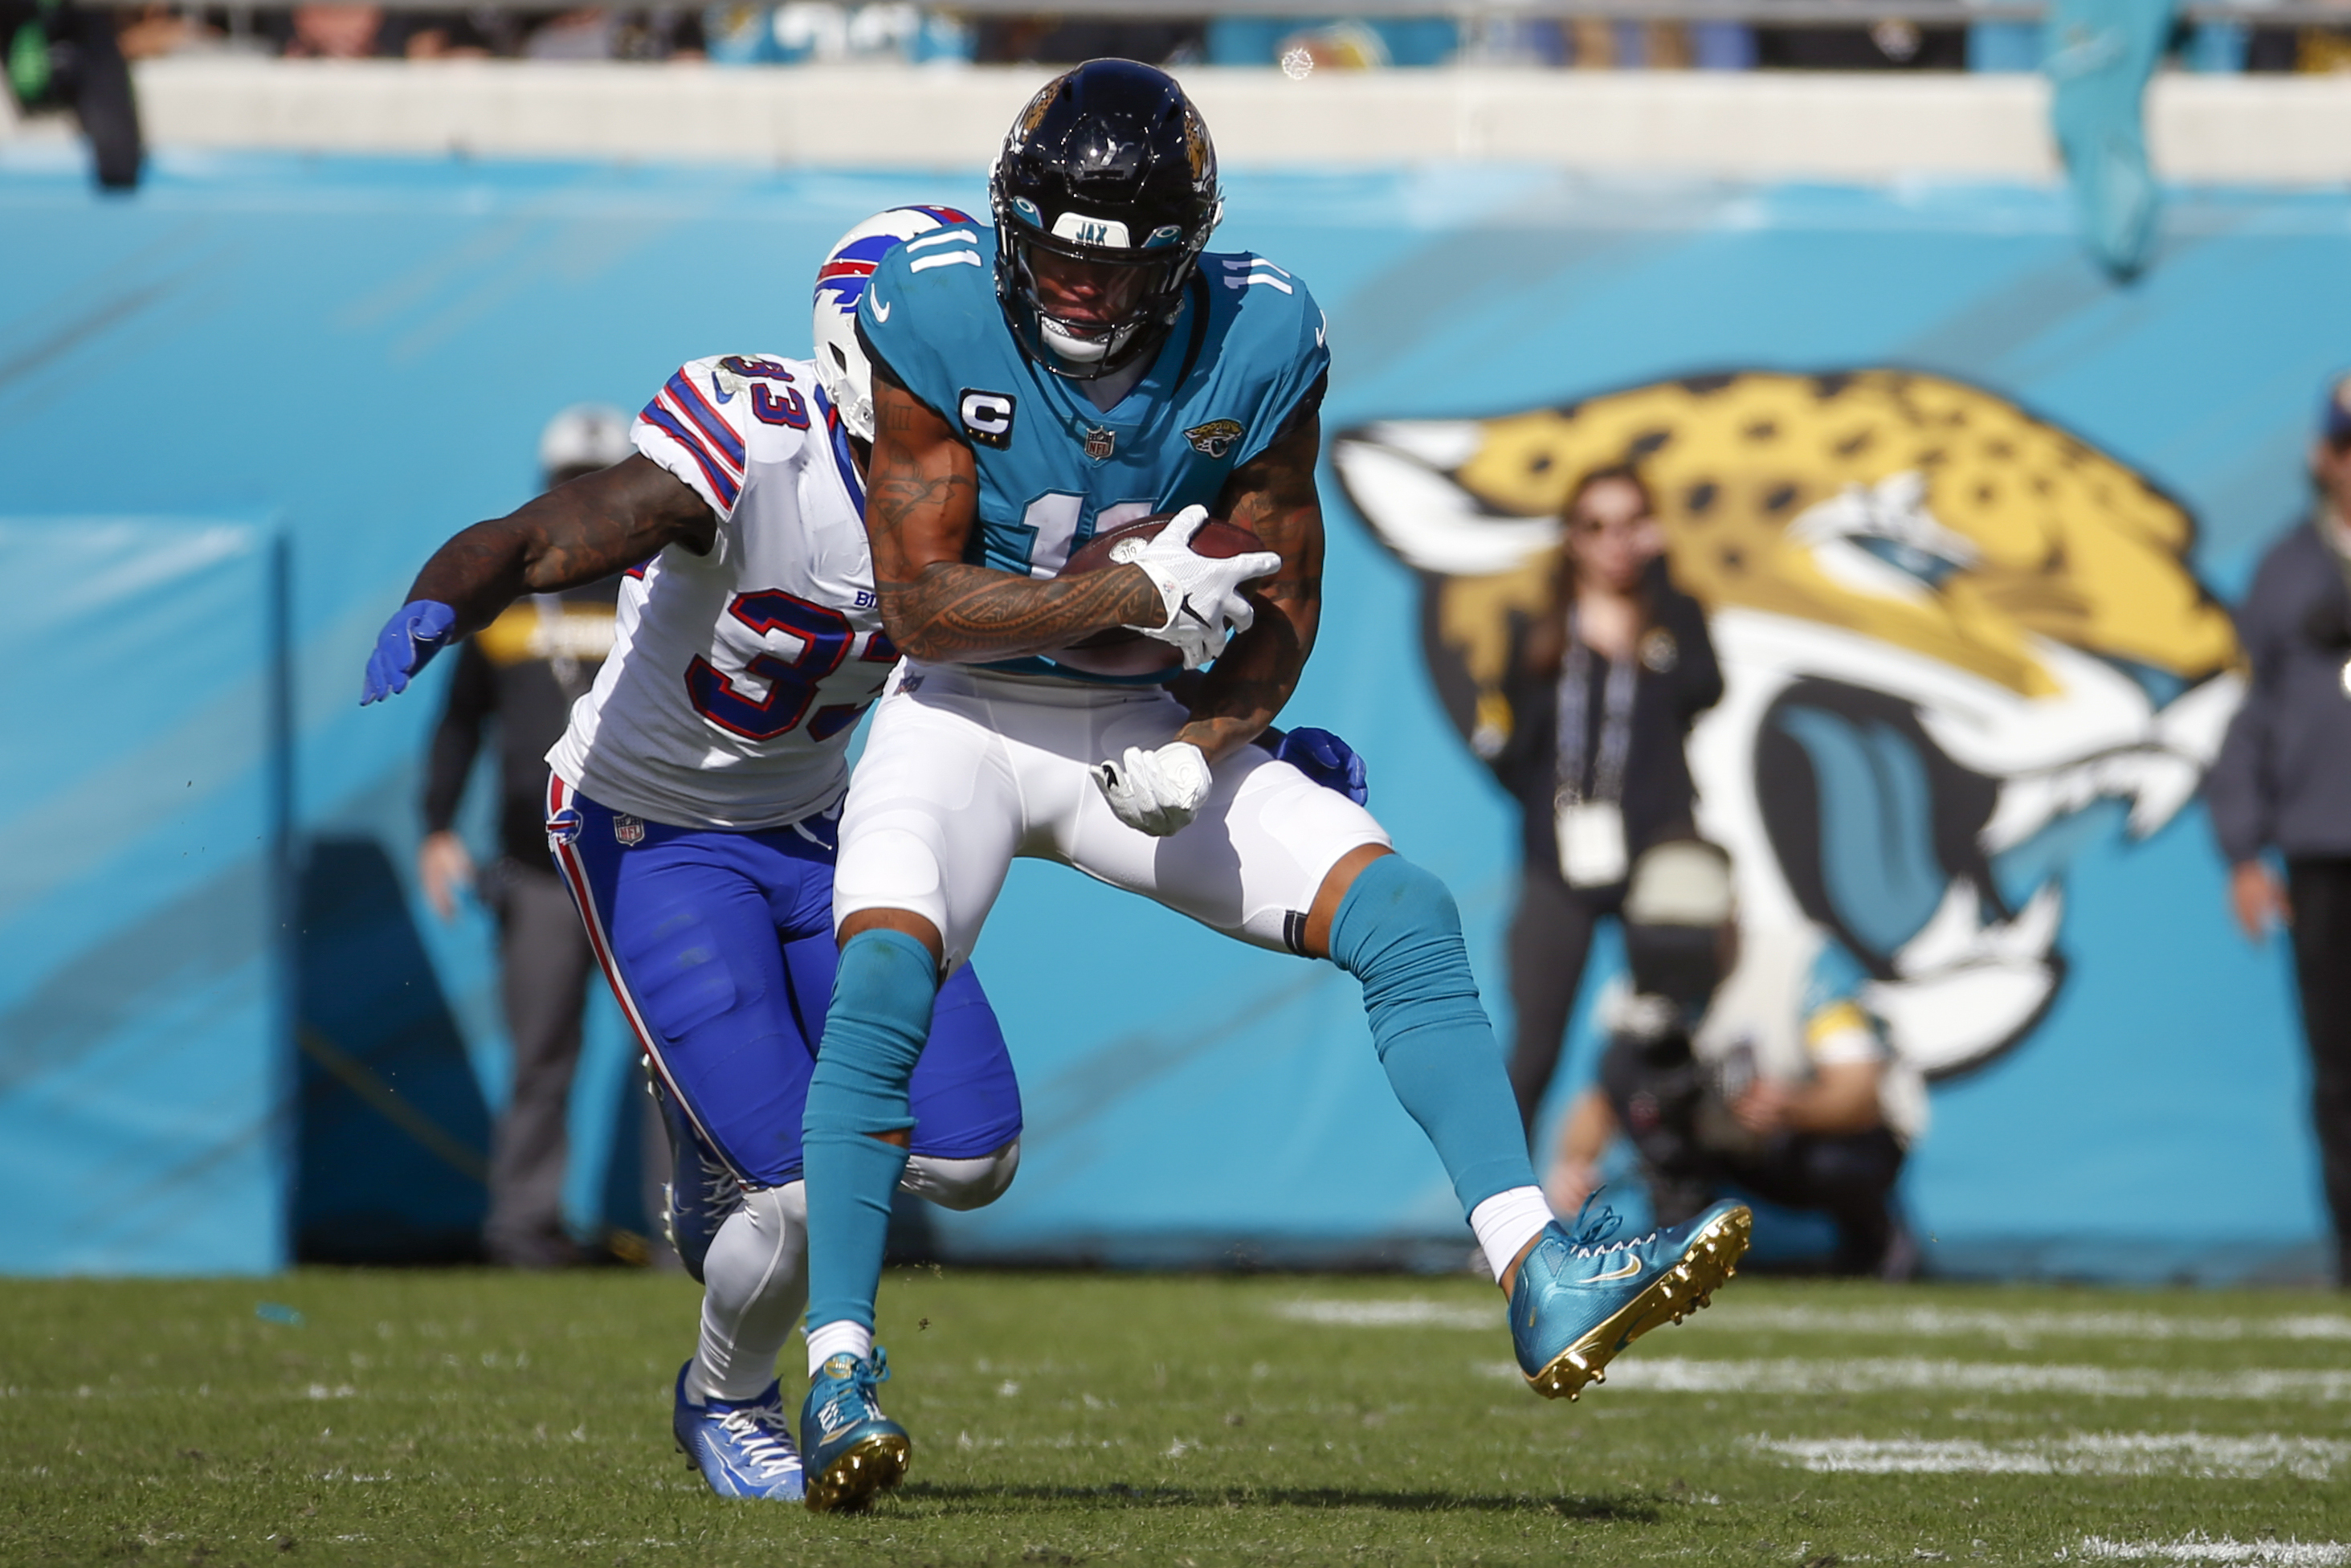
(966, 769)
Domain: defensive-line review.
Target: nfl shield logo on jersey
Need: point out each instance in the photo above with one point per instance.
(630, 831)
(1100, 443)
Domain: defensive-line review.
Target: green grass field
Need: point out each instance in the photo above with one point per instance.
(478, 1418)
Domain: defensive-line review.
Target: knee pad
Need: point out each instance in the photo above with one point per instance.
(701, 1194)
(962, 1185)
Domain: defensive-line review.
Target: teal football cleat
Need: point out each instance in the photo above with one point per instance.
(852, 1449)
(1579, 1299)
(743, 1450)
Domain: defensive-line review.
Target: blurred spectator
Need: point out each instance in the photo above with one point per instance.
(824, 33)
(1599, 43)
(2282, 784)
(1745, 1059)
(1302, 44)
(525, 670)
(60, 55)
(663, 33)
(1588, 736)
(335, 33)
(150, 31)
(1892, 45)
(1060, 41)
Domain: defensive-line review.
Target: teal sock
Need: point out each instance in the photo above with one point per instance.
(1398, 932)
(880, 1016)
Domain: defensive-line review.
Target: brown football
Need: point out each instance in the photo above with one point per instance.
(1121, 652)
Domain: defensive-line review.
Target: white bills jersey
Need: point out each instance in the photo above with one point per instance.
(736, 677)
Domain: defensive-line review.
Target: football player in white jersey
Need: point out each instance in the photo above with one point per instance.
(692, 804)
(692, 808)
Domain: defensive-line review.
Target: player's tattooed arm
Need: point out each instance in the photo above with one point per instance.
(922, 503)
(1273, 497)
(576, 533)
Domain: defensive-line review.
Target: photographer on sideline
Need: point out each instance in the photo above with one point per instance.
(1746, 1058)
(2282, 782)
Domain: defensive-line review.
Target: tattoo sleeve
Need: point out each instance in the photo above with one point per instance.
(1273, 497)
(574, 534)
(922, 503)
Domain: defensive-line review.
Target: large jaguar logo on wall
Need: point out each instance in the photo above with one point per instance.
(1958, 642)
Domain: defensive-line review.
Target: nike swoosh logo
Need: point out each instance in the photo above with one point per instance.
(880, 311)
(1631, 1267)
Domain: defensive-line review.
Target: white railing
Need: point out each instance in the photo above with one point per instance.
(1862, 126)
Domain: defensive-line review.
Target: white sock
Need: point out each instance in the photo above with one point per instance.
(1506, 1222)
(754, 1287)
(829, 1340)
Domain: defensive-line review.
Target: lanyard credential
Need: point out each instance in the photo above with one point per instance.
(1593, 851)
(1616, 723)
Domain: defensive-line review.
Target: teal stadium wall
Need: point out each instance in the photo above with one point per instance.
(364, 351)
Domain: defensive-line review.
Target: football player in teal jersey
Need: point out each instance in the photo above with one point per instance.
(1085, 363)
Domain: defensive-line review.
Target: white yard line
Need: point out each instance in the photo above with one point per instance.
(2189, 1454)
(1925, 1321)
(1676, 1375)
(1412, 1312)
(2203, 1549)
(1919, 1322)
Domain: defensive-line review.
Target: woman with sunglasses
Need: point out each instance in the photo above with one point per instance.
(1602, 691)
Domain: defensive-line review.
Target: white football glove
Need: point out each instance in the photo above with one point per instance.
(1156, 792)
(1202, 594)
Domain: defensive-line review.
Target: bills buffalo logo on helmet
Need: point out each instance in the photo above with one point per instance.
(1960, 647)
(1214, 439)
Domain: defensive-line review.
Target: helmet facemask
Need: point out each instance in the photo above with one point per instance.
(1091, 311)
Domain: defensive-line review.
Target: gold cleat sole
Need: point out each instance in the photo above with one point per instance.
(873, 1465)
(1711, 1258)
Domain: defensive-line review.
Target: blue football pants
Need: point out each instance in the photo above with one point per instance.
(719, 949)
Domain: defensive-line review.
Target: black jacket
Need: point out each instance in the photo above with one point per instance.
(2283, 779)
(532, 702)
(1679, 679)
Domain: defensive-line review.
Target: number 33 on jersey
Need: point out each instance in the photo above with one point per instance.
(736, 675)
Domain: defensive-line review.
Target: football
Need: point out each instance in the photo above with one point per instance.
(1121, 651)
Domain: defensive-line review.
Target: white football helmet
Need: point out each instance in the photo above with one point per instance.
(841, 363)
(585, 436)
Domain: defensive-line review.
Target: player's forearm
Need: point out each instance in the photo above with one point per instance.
(571, 536)
(477, 574)
(1252, 680)
(954, 613)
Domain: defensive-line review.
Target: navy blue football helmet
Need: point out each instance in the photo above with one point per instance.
(1109, 164)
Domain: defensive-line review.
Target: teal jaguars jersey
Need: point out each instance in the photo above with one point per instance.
(1244, 357)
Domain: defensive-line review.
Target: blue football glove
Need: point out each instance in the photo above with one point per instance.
(1327, 760)
(405, 645)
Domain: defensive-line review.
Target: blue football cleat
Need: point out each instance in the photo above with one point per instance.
(742, 1449)
(1578, 1300)
(853, 1450)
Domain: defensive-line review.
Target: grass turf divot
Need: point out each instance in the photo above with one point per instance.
(471, 1418)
